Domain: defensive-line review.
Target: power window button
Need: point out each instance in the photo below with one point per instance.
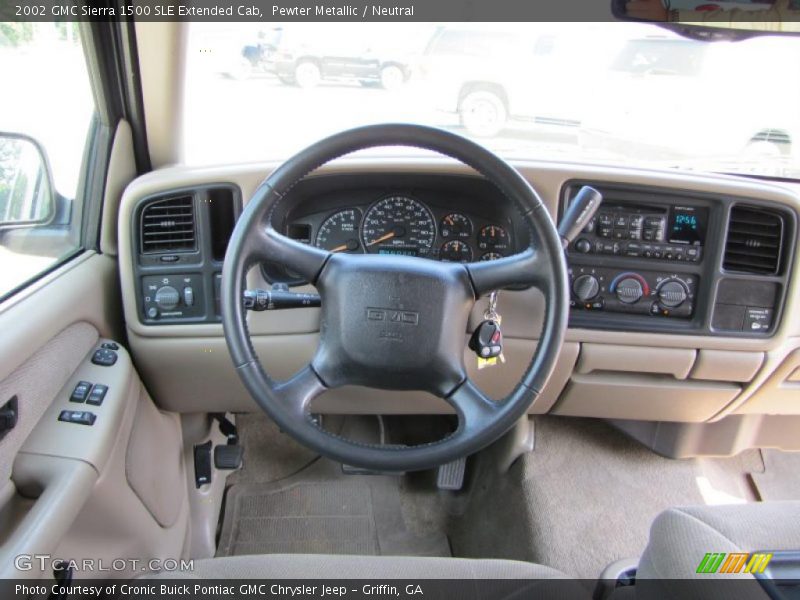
(97, 395)
(81, 392)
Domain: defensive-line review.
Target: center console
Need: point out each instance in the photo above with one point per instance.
(653, 260)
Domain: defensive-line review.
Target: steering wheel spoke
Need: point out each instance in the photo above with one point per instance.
(302, 259)
(475, 409)
(299, 391)
(528, 267)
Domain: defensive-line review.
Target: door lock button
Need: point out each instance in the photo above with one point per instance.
(81, 417)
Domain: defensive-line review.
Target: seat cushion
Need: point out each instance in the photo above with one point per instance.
(325, 566)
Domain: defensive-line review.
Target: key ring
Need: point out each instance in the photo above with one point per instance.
(490, 314)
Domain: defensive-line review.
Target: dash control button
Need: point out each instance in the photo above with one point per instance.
(109, 346)
(81, 392)
(104, 357)
(97, 395)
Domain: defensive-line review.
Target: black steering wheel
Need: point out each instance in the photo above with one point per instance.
(394, 322)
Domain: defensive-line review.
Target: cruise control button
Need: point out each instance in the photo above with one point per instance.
(81, 391)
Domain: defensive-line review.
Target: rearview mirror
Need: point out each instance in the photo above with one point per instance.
(27, 196)
(714, 19)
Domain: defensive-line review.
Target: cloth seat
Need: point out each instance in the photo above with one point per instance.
(332, 566)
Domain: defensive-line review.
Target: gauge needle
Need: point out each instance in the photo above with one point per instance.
(348, 245)
(383, 238)
(341, 248)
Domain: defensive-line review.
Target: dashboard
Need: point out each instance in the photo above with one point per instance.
(683, 295)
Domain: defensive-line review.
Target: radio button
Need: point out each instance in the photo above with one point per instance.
(605, 220)
(620, 221)
(635, 234)
(654, 222)
(636, 221)
(633, 249)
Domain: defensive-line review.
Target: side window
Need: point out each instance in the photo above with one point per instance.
(45, 112)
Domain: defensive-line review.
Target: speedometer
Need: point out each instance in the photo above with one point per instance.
(398, 225)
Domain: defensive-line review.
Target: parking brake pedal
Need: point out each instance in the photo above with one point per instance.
(450, 476)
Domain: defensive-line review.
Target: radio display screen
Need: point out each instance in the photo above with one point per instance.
(687, 225)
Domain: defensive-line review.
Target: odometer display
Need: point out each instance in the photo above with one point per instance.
(398, 225)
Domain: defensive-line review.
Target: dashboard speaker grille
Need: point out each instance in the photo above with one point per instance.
(168, 225)
(754, 241)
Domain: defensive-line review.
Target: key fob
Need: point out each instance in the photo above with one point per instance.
(487, 340)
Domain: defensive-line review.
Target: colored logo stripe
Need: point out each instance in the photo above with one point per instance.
(758, 563)
(734, 562)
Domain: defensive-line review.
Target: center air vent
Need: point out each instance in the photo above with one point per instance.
(168, 225)
(754, 241)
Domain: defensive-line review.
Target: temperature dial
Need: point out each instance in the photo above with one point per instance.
(585, 287)
(629, 290)
(672, 293)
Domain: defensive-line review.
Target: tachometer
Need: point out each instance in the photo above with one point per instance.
(398, 225)
(339, 232)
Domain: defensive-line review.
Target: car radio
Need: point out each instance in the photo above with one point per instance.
(671, 233)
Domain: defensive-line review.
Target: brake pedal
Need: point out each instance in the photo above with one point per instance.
(450, 476)
(228, 457)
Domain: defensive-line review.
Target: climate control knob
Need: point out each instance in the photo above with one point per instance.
(672, 293)
(629, 290)
(585, 287)
(167, 297)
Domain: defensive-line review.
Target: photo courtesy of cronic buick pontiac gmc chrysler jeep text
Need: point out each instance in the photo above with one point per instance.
(402, 305)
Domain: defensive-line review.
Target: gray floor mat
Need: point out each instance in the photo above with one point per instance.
(320, 511)
(587, 496)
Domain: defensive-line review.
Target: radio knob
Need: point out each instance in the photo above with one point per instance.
(629, 290)
(167, 297)
(585, 287)
(672, 293)
(583, 246)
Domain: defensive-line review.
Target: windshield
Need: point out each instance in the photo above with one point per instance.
(612, 93)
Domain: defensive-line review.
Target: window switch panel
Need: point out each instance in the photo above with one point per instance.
(81, 392)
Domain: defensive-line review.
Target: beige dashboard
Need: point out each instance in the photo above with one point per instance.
(667, 380)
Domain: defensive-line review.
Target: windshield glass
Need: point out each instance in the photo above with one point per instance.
(613, 93)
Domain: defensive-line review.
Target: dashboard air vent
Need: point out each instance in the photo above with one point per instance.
(754, 241)
(168, 225)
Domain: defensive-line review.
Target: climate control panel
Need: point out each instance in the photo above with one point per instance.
(654, 293)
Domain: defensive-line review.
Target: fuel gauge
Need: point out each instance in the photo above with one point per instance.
(456, 225)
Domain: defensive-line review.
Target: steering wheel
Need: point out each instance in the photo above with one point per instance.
(394, 322)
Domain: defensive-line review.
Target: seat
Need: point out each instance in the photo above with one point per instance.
(681, 537)
(331, 566)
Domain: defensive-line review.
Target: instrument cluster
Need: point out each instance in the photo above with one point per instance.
(399, 223)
